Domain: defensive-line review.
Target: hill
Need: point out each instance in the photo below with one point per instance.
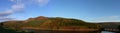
(113, 25)
(3, 30)
(50, 23)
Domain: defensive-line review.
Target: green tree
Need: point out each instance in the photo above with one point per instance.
(119, 27)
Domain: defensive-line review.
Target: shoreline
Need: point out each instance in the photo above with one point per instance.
(87, 29)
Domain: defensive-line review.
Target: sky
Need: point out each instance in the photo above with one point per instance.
(86, 10)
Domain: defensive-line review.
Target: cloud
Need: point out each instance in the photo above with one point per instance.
(107, 19)
(4, 14)
(28, 2)
(6, 18)
(19, 6)
(42, 2)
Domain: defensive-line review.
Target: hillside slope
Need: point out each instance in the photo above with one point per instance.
(50, 23)
(3, 30)
(113, 25)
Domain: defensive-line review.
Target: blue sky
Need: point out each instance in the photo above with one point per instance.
(87, 10)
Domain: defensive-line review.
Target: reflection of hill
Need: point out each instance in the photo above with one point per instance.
(50, 23)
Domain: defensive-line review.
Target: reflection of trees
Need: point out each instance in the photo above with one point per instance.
(119, 27)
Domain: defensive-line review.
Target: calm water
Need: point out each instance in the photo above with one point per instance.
(107, 32)
(47, 31)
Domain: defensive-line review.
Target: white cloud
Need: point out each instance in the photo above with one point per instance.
(42, 2)
(107, 19)
(19, 6)
(39, 2)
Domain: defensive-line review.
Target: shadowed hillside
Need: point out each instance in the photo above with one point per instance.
(3, 30)
(110, 24)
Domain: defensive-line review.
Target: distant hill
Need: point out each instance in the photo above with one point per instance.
(50, 23)
(109, 24)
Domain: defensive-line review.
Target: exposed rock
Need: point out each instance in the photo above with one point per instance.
(41, 18)
(37, 18)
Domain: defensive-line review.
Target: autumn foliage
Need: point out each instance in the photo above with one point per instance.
(50, 23)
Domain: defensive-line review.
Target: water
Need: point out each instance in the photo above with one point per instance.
(107, 32)
(50, 31)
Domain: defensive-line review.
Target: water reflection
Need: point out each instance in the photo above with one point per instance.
(116, 32)
(107, 32)
(53, 31)
(48, 31)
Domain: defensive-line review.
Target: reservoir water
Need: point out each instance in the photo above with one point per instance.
(49, 31)
(107, 32)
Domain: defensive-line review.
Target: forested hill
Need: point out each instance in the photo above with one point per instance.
(3, 30)
(113, 25)
(49, 23)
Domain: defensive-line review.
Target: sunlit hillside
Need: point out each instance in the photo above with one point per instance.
(50, 23)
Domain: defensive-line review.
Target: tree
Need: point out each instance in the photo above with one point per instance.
(1, 24)
(3, 30)
(119, 27)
